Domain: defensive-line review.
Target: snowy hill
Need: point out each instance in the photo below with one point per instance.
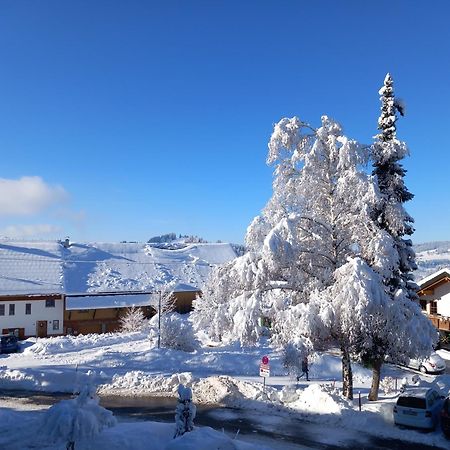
(39, 267)
(431, 257)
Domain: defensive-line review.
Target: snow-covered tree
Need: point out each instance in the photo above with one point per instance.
(317, 216)
(185, 411)
(332, 222)
(229, 308)
(394, 223)
(133, 320)
(76, 419)
(390, 215)
(176, 332)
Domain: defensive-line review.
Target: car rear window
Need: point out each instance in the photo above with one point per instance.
(412, 402)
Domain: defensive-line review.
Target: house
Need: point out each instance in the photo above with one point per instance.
(31, 290)
(50, 288)
(101, 312)
(434, 295)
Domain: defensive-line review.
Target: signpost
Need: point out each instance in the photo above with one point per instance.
(264, 369)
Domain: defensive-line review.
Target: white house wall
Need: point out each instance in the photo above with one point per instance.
(38, 312)
(442, 295)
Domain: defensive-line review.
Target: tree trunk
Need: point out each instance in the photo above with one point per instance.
(376, 375)
(347, 375)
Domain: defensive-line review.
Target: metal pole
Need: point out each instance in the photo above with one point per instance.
(159, 320)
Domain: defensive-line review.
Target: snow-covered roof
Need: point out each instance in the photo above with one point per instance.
(43, 267)
(30, 267)
(434, 277)
(109, 301)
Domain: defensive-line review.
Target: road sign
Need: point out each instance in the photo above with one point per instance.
(265, 360)
(264, 370)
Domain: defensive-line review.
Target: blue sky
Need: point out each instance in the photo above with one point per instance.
(130, 119)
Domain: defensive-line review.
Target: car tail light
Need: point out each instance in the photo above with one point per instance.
(428, 414)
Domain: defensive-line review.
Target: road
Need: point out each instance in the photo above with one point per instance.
(280, 432)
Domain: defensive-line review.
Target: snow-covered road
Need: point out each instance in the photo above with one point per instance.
(279, 432)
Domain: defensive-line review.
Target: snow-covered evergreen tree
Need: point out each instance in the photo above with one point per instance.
(394, 223)
(390, 215)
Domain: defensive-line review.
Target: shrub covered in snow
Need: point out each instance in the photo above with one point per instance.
(75, 419)
(133, 320)
(185, 411)
(176, 332)
(387, 384)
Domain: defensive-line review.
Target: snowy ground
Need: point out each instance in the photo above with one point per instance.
(127, 364)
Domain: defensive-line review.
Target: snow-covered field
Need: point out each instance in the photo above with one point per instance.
(431, 257)
(127, 364)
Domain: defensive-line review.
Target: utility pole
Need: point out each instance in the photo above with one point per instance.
(159, 320)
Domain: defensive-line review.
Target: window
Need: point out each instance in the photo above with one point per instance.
(56, 325)
(412, 402)
(2, 310)
(12, 309)
(27, 308)
(433, 307)
(50, 303)
(423, 305)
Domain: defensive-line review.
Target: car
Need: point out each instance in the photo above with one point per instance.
(418, 408)
(9, 343)
(445, 417)
(433, 364)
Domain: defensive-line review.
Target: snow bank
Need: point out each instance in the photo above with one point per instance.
(64, 344)
(319, 399)
(12, 379)
(22, 433)
(207, 439)
(231, 392)
(137, 382)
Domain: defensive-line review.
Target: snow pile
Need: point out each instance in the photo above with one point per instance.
(319, 399)
(18, 432)
(137, 382)
(75, 419)
(231, 392)
(10, 379)
(64, 344)
(206, 439)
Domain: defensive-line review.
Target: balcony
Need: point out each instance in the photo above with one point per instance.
(440, 322)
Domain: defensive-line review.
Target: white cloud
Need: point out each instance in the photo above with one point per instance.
(28, 195)
(28, 231)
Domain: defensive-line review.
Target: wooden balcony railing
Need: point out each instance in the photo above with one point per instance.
(440, 322)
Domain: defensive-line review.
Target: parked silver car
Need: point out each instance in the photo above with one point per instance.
(418, 408)
(433, 364)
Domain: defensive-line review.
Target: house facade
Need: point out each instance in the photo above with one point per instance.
(101, 312)
(434, 295)
(32, 315)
